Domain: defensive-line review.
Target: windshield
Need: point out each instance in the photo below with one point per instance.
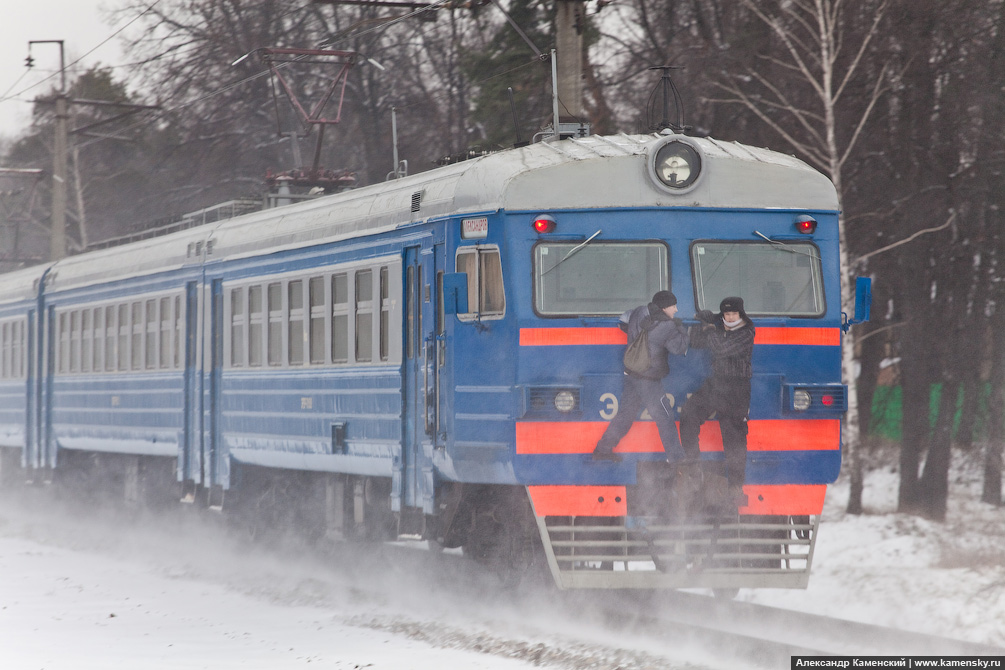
(772, 279)
(599, 279)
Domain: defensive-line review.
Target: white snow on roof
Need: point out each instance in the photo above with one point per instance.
(592, 172)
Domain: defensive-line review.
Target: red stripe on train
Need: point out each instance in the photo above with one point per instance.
(545, 337)
(560, 500)
(808, 336)
(784, 498)
(580, 437)
(579, 500)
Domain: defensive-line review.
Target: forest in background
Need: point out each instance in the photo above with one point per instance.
(899, 102)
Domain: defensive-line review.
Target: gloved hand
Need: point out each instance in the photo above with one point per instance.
(705, 316)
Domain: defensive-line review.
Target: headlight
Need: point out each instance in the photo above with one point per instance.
(800, 400)
(677, 165)
(565, 401)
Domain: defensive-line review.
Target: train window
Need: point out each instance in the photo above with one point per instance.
(177, 348)
(75, 337)
(21, 349)
(165, 334)
(364, 316)
(87, 332)
(486, 294)
(256, 326)
(6, 362)
(296, 322)
(773, 279)
(340, 318)
(597, 279)
(275, 303)
(63, 328)
(150, 341)
(385, 315)
(12, 349)
(237, 319)
(318, 306)
(111, 339)
(98, 343)
(136, 345)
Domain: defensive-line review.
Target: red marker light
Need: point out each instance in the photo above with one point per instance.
(827, 400)
(806, 225)
(544, 224)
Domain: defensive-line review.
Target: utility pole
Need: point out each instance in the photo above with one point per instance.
(57, 233)
(570, 19)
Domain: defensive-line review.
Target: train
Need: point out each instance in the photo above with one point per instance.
(435, 357)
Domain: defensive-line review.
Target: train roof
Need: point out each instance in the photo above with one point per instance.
(20, 285)
(590, 172)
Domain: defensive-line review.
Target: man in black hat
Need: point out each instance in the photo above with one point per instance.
(729, 338)
(644, 390)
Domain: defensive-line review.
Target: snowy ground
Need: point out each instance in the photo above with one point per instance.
(901, 571)
(78, 592)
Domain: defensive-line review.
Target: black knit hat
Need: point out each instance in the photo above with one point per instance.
(664, 299)
(731, 304)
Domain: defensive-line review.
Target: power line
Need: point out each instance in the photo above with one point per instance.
(5, 97)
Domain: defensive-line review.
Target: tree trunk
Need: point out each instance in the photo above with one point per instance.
(934, 484)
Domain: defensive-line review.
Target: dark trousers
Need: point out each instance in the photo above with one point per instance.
(639, 394)
(729, 399)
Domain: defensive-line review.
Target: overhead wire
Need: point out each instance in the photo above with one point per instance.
(5, 97)
(327, 43)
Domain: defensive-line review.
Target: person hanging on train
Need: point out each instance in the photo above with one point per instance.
(729, 338)
(643, 389)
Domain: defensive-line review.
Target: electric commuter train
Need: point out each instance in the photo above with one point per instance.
(436, 356)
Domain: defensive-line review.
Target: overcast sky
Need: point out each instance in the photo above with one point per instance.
(79, 23)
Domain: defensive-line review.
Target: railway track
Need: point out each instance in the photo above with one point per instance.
(768, 637)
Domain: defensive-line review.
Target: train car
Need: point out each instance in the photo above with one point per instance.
(437, 356)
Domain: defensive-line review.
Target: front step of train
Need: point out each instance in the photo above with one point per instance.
(677, 527)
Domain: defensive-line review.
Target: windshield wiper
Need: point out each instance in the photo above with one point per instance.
(785, 246)
(576, 249)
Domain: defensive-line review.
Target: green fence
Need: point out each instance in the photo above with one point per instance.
(886, 411)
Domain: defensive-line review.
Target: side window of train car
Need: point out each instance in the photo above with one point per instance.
(336, 318)
(12, 349)
(237, 327)
(63, 325)
(274, 296)
(256, 326)
(773, 279)
(165, 334)
(318, 306)
(137, 335)
(87, 333)
(364, 316)
(340, 317)
(602, 278)
(486, 291)
(296, 323)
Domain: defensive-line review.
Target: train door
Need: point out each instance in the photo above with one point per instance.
(190, 465)
(33, 416)
(46, 437)
(413, 483)
(213, 378)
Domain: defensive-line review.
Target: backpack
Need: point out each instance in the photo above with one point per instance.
(636, 358)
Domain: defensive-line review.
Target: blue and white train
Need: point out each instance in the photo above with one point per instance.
(436, 356)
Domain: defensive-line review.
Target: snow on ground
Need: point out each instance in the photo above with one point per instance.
(158, 593)
(902, 571)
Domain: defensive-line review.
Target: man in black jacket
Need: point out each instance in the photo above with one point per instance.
(644, 390)
(729, 338)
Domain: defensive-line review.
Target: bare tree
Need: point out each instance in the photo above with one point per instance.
(822, 48)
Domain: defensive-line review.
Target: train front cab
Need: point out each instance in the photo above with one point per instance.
(623, 525)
